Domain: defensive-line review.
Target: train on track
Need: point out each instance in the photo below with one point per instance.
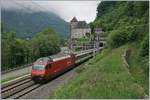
(48, 67)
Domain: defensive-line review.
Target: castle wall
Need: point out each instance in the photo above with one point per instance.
(73, 24)
(79, 32)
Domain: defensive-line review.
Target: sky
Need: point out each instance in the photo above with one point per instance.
(83, 10)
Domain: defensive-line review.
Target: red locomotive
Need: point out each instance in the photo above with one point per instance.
(48, 67)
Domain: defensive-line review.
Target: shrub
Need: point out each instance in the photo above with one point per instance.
(117, 38)
(132, 34)
(123, 35)
(144, 48)
(145, 64)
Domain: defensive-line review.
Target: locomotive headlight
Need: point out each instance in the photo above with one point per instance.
(42, 75)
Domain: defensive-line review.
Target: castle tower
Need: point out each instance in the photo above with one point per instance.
(73, 22)
(78, 29)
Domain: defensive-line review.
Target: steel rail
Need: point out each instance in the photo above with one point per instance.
(9, 92)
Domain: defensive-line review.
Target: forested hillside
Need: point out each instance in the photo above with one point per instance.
(26, 24)
(123, 21)
(126, 22)
(106, 76)
(16, 52)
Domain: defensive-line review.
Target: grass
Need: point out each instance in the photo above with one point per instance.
(103, 77)
(8, 79)
(137, 68)
(11, 78)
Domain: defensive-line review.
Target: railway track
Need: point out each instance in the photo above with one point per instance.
(17, 88)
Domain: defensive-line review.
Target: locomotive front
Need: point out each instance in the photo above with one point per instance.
(38, 73)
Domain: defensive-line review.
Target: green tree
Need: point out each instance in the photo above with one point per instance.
(8, 40)
(45, 43)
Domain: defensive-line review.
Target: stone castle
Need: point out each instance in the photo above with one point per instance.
(79, 29)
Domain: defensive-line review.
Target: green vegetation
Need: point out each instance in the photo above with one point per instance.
(144, 47)
(45, 43)
(128, 23)
(126, 27)
(16, 52)
(123, 22)
(139, 67)
(84, 39)
(11, 78)
(81, 42)
(104, 76)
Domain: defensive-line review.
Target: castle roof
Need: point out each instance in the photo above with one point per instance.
(74, 19)
(82, 24)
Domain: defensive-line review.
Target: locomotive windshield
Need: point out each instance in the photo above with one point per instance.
(38, 67)
(43, 59)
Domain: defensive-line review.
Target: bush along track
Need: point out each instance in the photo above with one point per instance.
(104, 76)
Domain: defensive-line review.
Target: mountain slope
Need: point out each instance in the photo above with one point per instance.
(27, 24)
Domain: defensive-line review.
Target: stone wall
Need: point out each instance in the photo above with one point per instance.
(79, 32)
